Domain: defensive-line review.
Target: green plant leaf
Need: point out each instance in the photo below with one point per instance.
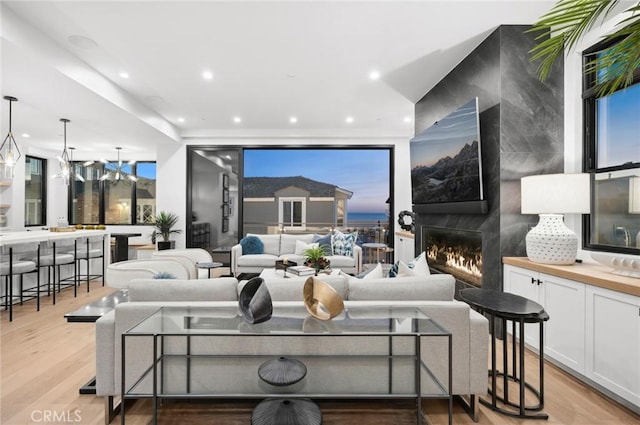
(564, 25)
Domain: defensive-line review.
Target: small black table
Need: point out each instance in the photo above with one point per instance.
(122, 245)
(92, 312)
(209, 265)
(517, 309)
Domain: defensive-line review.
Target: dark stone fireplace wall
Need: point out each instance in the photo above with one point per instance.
(521, 133)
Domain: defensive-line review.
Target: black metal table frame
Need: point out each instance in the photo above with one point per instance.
(158, 350)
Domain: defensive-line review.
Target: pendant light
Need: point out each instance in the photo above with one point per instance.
(77, 175)
(118, 174)
(9, 152)
(63, 159)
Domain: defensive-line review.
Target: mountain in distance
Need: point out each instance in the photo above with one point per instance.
(449, 179)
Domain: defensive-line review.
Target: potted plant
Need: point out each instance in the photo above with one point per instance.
(164, 224)
(315, 258)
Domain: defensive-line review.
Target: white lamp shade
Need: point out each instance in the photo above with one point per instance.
(556, 193)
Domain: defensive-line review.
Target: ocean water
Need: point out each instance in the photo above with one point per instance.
(366, 217)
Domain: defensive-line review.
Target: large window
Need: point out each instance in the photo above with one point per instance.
(35, 191)
(127, 196)
(318, 189)
(612, 156)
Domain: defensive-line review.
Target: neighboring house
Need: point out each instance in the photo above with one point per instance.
(293, 203)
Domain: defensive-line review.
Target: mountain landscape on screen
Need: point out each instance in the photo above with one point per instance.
(449, 179)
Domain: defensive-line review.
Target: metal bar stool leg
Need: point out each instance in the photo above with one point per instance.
(11, 284)
(38, 281)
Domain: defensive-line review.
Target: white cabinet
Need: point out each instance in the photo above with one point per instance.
(525, 283)
(593, 331)
(613, 341)
(564, 301)
(405, 249)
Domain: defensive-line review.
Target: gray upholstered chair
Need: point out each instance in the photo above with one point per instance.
(53, 255)
(16, 264)
(88, 249)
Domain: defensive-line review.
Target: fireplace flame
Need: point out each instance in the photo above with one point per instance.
(469, 265)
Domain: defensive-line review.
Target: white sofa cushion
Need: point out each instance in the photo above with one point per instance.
(301, 247)
(288, 242)
(437, 287)
(338, 261)
(219, 289)
(271, 243)
(258, 260)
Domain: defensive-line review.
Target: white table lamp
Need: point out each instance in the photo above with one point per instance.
(551, 196)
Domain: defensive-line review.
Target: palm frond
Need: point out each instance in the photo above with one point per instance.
(563, 26)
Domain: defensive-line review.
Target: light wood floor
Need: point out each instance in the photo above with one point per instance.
(45, 360)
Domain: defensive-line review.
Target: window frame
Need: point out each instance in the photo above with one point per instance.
(590, 149)
(291, 225)
(102, 196)
(43, 192)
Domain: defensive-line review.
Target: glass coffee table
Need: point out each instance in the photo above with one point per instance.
(367, 352)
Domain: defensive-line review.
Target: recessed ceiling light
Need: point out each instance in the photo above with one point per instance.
(374, 75)
(349, 120)
(406, 119)
(237, 120)
(207, 75)
(293, 120)
(25, 135)
(124, 75)
(180, 119)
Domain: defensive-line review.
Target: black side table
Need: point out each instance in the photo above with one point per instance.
(520, 310)
(208, 266)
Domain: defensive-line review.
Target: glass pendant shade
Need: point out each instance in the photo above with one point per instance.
(77, 175)
(63, 159)
(119, 174)
(9, 151)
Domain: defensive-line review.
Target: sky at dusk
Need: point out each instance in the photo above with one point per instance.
(447, 137)
(619, 127)
(365, 172)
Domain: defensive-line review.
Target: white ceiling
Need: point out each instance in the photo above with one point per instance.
(270, 61)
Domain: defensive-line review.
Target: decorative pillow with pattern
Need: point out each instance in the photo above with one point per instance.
(163, 275)
(342, 243)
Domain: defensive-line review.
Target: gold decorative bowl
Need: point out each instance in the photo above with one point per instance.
(321, 300)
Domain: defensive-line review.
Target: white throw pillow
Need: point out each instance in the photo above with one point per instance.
(301, 247)
(404, 270)
(375, 273)
(420, 266)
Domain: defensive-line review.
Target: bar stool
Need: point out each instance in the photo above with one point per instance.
(83, 251)
(53, 259)
(17, 265)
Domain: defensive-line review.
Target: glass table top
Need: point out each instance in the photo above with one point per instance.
(288, 320)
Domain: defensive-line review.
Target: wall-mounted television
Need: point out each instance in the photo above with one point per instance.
(446, 165)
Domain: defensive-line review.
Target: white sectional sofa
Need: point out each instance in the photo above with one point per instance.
(433, 295)
(281, 246)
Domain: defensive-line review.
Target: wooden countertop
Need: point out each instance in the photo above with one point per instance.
(592, 274)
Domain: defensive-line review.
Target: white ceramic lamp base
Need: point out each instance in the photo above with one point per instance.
(551, 242)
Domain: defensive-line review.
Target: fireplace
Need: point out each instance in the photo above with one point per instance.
(454, 251)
